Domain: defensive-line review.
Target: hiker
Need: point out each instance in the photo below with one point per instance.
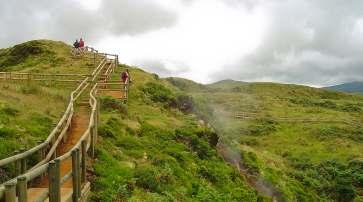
(125, 76)
(76, 44)
(81, 43)
(125, 81)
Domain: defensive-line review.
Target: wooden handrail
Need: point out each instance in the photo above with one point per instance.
(87, 139)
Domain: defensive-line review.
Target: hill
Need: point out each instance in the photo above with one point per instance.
(354, 87)
(30, 110)
(292, 142)
(152, 149)
(177, 140)
(226, 84)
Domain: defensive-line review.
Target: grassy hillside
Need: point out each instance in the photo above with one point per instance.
(354, 87)
(306, 142)
(150, 150)
(43, 56)
(171, 142)
(29, 111)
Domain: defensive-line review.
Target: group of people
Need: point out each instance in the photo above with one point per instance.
(78, 44)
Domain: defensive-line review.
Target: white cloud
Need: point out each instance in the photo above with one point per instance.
(208, 35)
(307, 41)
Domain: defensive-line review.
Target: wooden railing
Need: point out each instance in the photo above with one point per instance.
(16, 189)
(115, 86)
(68, 78)
(41, 77)
(78, 154)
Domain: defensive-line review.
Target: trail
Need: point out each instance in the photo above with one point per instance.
(79, 125)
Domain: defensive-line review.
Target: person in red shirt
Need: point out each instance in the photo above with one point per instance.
(125, 76)
(81, 43)
(125, 80)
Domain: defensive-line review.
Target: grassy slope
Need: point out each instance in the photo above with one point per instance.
(28, 111)
(306, 160)
(157, 153)
(43, 56)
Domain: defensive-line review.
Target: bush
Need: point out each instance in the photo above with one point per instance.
(335, 180)
(30, 89)
(9, 111)
(185, 103)
(21, 52)
(6, 132)
(260, 128)
(249, 160)
(351, 108)
(111, 128)
(111, 104)
(153, 179)
(198, 141)
(159, 93)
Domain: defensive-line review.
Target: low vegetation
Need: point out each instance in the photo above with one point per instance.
(170, 142)
(156, 152)
(306, 142)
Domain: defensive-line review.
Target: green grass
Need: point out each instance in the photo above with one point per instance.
(26, 115)
(304, 142)
(155, 152)
(44, 56)
(30, 110)
(288, 133)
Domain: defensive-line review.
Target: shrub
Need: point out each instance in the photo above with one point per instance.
(21, 52)
(111, 104)
(111, 128)
(159, 93)
(249, 159)
(153, 179)
(260, 128)
(185, 103)
(30, 89)
(351, 108)
(6, 132)
(9, 111)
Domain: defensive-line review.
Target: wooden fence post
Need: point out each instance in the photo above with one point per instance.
(17, 165)
(23, 165)
(22, 186)
(92, 146)
(75, 167)
(10, 191)
(84, 160)
(54, 181)
(94, 59)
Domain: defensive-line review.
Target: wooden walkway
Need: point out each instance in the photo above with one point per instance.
(60, 174)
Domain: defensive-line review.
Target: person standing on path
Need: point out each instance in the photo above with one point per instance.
(125, 80)
(81, 44)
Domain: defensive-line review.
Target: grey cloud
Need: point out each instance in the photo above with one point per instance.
(64, 20)
(161, 68)
(308, 42)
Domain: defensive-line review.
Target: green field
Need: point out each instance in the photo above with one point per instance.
(306, 142)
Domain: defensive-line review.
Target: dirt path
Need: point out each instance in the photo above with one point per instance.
(115, 94)
(79, 125)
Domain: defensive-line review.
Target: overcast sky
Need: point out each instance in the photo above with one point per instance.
(311, 42)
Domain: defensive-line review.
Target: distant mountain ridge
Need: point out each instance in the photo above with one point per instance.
(353, 87)
(226, 84)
